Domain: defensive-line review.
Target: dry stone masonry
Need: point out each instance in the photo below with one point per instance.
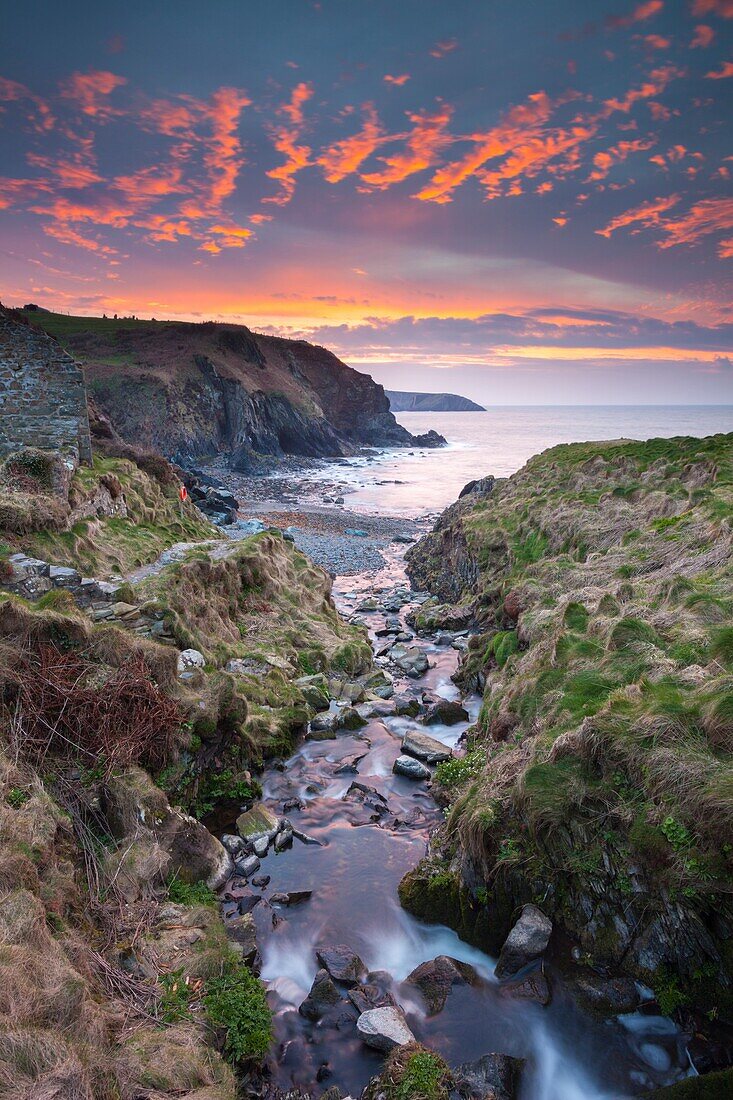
(43, 399)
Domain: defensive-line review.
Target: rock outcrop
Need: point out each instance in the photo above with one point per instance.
(192, 390)
(404, 401)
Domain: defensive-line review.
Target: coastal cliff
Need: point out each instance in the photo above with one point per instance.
(597, 781)
(191, 391)
(404, 401)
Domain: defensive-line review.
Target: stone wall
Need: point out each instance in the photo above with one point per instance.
(43, 398)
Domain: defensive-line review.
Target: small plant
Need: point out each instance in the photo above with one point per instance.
(424, 1078)
(236, 1002)
(17, 797)
(175, 1003)
(669, 995)
(676, 833)
(451, 773)
(190, 893)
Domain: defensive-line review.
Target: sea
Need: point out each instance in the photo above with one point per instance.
(421, 481)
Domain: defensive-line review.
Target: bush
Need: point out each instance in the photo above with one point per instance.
(236, 1002)
(70, 705)
(190, 893)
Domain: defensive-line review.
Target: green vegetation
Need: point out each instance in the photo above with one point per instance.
(190, 893)
(235, 1001)
(602, 762)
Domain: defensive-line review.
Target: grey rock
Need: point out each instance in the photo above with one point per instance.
(248, 866)
(410, 768)
(343, 964)
(384, 1028)
(535, 987)
(445, 712)
(527, 940)
(322, 997)
(605, 996)
(492, 1077)
(436, 978)
(424, 747)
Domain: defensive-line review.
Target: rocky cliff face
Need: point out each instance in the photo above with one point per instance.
(597, 781)
(190, 390)
(407, 401)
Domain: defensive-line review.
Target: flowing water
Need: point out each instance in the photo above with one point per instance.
(353, 873)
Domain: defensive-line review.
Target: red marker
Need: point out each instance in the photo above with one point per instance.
(183, 493)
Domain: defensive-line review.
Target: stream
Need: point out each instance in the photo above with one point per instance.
(353, 872)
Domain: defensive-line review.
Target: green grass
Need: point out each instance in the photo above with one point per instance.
(192, 894)
(235, 1001)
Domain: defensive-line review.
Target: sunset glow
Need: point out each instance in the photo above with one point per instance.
(351, 175)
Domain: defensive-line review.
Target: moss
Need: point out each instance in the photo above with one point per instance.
(711, 1086)
(191, 893)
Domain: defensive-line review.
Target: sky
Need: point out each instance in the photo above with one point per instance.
(522, 202)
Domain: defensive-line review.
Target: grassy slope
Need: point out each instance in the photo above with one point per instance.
(105, 545)
(606, 593)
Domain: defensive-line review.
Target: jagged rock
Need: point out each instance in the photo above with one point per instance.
(189, 659)
(406, 705)
(291, 897)
(445, 712)
(284, 838)
(323, 727)
(527, 940)
(371, 995)
(261, 844)
(257, 822)
(165, 840)
(314, 690)
(412, 661)
(248, 866)
(384, 1028)
(410, 768)
(350, 719)
(491, 1077)
(481, 486)
(343, 964)
(535, 987)
(605, 996)
(424, 747)
(233, 844)
(436, 978)
(241, 929)
(322, 997)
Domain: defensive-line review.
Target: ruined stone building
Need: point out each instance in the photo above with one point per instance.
(43, 399)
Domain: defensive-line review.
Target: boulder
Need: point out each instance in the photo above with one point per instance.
(492, 1077)
(406, 705)
(384, 1028)
(248, 866)
(535, 987)
(314, 690)
(258, 821)
(412, 661)
(284, 838)
(322, 997)
(424, 747)
(436, 978)
(290, 897)
(481, 486)
(350, 719)
(410, 768)
(189, 659)
(446, 713)
(605, 996)
(527, 940)
(343, 964)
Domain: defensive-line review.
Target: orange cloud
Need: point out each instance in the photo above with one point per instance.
(703, 37)
(259, 219)
(40, 118)
(708, 216)
(723, 8)
(604, 161)
(656, 41)
(640, 14)
(440, 49)
(74, 173)
(520, 121)
(654, 86)
(151, 182)
(285, 139)
(646, 215)
(398, 81)
(725, 71)
(90, 92)
(346, 156)
(422, 145)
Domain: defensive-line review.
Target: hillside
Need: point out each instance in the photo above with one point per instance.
(189, 390)
(404, 401)
(598, 780)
